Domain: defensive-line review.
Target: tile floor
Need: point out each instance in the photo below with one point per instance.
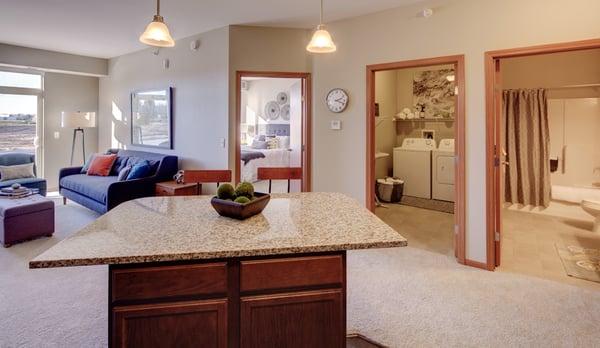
(528, 239)
(425, 229)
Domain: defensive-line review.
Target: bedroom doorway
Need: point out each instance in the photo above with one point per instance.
(273, 130)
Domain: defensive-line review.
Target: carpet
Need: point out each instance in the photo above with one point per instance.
(403, 297)
(580, 262)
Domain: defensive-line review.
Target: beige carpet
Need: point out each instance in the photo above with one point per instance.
(399, 297)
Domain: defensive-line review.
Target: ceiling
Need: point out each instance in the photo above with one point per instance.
(108, 28)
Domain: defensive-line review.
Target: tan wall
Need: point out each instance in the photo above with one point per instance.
(64, 92)
(263, 49)
(553, 71)
(468, 27)
(386, 94)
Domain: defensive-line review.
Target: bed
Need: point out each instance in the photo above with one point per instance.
(269, 158)
(253, 158)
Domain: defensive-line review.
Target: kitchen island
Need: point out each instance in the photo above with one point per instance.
(181, 275)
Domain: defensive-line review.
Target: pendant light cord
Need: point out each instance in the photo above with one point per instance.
(321, 18)
(158, 7)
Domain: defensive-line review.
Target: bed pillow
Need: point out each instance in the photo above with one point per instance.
(284, 142)
(101, 165)
(140, 170)
(259, 145)
(19, 171)
(273, 143)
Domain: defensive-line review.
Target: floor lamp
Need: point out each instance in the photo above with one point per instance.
(78, 121)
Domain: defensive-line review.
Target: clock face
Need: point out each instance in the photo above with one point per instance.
(337, 100)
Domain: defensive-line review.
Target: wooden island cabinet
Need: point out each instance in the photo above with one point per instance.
(182, 276)
(285, 301)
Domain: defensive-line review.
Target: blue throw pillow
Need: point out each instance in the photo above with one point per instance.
(140, 170)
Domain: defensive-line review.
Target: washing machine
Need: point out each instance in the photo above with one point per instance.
(442, 184)
(412, 163)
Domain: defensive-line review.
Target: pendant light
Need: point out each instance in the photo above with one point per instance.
(321, 41)
(156, 33)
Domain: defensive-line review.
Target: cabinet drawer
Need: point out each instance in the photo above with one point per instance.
(162, 191)
(169, 281)
(289, 273)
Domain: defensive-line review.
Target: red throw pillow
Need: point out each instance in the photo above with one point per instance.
(101, 165)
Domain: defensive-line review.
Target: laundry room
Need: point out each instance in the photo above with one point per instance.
(415, 153)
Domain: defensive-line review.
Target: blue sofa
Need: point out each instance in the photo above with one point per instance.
(102, 193)
(15, 158)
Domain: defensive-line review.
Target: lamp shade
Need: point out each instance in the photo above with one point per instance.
(78, 119)
(321, 41)
(157, 34)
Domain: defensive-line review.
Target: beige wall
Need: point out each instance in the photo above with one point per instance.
(386, 94)
(25, 57)
(263, 49)
(553, 71)
(64, 92)
(200, 98)
(468, 27)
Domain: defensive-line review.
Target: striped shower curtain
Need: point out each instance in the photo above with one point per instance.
(527, 178)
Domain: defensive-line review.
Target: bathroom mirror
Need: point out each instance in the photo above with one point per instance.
(151, 118)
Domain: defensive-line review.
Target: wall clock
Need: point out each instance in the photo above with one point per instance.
(337, 100)
(285, 112)
(272, 110)
(282, 98)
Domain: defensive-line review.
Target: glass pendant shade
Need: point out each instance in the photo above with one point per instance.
(321, 41)
(157, 34)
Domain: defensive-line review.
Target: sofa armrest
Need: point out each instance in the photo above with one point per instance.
(122, 191)
(68, 171)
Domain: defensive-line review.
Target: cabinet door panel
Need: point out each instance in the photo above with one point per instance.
(305, 319)
(182, 324)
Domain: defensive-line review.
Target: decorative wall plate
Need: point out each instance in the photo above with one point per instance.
(285, 112)
(272, 110)
(282, 98)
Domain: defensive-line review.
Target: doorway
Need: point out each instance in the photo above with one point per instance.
(21, 114)
(555, 208)
(273, 130)
(425, 103)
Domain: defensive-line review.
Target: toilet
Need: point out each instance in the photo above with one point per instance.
(592, 208)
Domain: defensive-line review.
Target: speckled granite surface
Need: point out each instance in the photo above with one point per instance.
(187, 228)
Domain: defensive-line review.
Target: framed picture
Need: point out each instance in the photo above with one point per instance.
(151, 118)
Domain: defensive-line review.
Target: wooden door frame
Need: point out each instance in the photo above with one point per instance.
(459, 209)
(306, 119)
(492, 106)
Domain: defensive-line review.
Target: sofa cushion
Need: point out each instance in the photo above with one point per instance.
(137, 160)
(140, 170)
(95, 187)
(101, 165)
(120, 163)
(29, 182)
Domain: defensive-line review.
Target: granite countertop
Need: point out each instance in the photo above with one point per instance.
(157, 229)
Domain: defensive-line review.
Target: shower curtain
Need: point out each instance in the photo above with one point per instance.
(527, 178)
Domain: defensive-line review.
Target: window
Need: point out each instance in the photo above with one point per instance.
(20, 80)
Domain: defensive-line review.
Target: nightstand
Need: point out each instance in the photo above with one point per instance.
(171, 188)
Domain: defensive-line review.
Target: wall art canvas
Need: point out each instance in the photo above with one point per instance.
(151, 119)
(433, 92)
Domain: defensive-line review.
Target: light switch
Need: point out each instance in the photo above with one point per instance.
(222, 142)
(336, 125)
(56, 135)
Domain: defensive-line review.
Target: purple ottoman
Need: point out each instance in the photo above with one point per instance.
(25, 218)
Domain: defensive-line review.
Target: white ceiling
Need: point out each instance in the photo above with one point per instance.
(108, 28)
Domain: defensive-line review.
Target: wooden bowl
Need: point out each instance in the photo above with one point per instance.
(240, 211)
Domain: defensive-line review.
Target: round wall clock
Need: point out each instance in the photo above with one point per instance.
(285, 112)
(272, 110)
(337, 100)
(282, 98)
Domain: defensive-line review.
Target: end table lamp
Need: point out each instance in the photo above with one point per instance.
(78, 121)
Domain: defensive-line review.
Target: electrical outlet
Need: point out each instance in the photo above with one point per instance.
(336, 125)
(56, 135)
